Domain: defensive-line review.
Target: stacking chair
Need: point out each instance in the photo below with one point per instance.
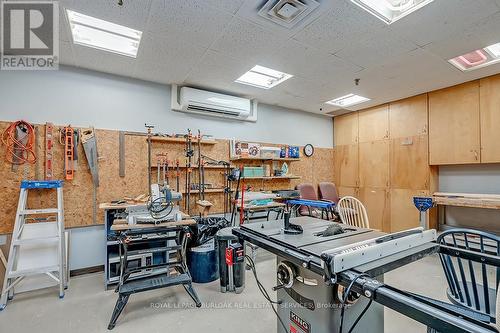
(352, 212)
(308, 192)
(328, 192)
(472, 284)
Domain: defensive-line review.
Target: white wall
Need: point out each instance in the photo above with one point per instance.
(484, 179)
(83, 98)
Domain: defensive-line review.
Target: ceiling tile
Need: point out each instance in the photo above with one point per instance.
(102, 61)
(194, 21)
(339, 27)
(440, 19)
(133, 14)
(479, 35)
(158, 58)
(308, 62)
(376, 48)
(247, 41)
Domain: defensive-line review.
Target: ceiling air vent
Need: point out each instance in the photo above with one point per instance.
(287, 13)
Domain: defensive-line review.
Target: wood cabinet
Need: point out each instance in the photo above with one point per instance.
(404, 215)
(409, 165)
(346, 165)
(374, 164)
(377, 204)
(408, 117)
(343, 191)
(345, 129)
(454, 136)
(490, 119)
(374, 124)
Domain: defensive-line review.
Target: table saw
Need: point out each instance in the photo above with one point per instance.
(315, 267)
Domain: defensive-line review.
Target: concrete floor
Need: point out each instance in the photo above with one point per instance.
(87, 307)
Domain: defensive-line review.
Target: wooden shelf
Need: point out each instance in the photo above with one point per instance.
(210, 190)
(180, 140)
(273, 177)
(194, 167)
(287, 159)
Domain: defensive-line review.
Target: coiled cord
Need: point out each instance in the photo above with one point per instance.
(19, 150)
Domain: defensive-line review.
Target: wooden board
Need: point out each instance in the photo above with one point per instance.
(404, 215)
(348, 191)
(377, 204)
(374, 164)
(345, 129)
(78, 194)
(490, 119)
(374, 124)
(346, 165)
(408, 117)
(409, 168)
(454, 136)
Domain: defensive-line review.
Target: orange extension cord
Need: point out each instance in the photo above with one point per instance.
(18, 152)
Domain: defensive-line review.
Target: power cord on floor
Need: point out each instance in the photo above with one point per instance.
(347, 291)
(264, 292)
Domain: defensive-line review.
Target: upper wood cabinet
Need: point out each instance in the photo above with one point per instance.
(454, 136)
(345, 129)
(409, 167)
(346, 165)
(374, 124)
(490, 119)
(408, 117)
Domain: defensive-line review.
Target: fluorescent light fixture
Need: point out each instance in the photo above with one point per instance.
(263, 77)
(103, 35)
(477, 59)
(390, 11)
(348, 100)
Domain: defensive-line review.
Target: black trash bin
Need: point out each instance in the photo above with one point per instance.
(231, 261)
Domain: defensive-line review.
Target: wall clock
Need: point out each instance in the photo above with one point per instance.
(308, 150)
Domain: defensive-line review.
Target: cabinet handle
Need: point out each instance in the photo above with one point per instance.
(475, 155)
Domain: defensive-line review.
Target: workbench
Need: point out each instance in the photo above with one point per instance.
(249, 211)
(151, 257)
(113, 225)
(326, 207)
(470, 200)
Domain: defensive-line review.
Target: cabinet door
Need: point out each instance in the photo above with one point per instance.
(374, 124)
(409, 166)
(377, 204)
(374, 164)
(490, 119)
(346, 165)
(348, 191)
(408, 117)
(454, 125)
(345, 129)
(404, 215)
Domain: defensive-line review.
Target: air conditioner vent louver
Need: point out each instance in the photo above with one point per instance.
(287, 13)
(213, 104)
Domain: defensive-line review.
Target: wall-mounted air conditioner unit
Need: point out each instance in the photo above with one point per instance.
(190, 100)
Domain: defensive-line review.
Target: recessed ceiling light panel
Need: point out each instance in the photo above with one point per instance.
(390, 11)
(263, 77)
(103, 35)
(348, 100)
(477, 59)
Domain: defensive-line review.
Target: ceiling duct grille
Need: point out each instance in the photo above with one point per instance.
(287, 13)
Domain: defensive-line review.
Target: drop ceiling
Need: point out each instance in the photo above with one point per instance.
(210, 43)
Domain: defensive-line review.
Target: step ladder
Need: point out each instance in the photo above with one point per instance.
(36, 247)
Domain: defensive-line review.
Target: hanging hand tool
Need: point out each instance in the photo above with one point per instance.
(19, 139)
(150, 129)
(69, 138)
(89, 142)
(189, 157)
(201, 191)
(49, 143)
(178, 173)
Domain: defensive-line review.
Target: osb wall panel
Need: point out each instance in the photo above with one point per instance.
(78, 193)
